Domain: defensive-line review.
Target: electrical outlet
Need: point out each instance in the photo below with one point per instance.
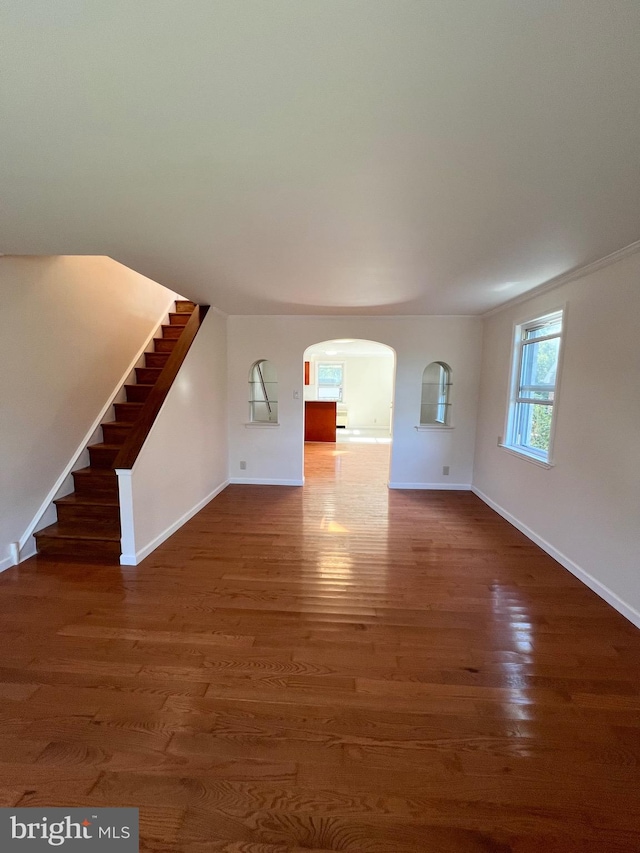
(243, 466)
(296, 395)
(445, 470)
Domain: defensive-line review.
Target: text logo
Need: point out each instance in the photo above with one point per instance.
(111, 830)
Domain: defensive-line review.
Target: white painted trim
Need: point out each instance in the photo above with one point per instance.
(442, 487)
(25, 553)
(528, 457)
(599, 588)
(261, 424)
(436, 427)
(29, 550)
(94, 426)
(566, 277)
(134, 558)
(125, 501)
(242, 481)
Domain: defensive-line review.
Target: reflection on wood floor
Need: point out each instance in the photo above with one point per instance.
(334, 667)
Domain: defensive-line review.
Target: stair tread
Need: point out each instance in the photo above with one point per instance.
(101, 445)
(127, 424)
(89, 500)
(69, 531)
(100, 472)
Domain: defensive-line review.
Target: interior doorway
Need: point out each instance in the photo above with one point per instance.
(348, 393)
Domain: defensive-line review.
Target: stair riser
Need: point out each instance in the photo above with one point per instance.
(156, 359)
(127, 413)
(148, 375)
(138, 393)
(106, 518)
(101, 458)
(179, 319)
(164, 344)
(96, 487)
(90, 551)
(184, 306)
(115, 434)
(171, 332)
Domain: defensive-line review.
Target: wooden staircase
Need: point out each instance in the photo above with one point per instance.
(88, 526)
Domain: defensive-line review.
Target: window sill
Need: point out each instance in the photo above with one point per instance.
(261, 424)
(528, 457)
(426, 427)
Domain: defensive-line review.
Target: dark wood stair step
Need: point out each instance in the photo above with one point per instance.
(185, 306)
(156, 359)
(103, 455)
(138, 393)
(179, 319)
(116, 432)
(77, 542)
(172, 332)
(127, 412)
(147, 375)
(100, 511)
(164, 344)
(97, 482)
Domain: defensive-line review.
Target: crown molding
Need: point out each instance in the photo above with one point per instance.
(566, 277)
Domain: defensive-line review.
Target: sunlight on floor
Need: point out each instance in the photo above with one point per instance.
(363, 436)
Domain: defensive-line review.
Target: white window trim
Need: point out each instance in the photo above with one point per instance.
(514, 384)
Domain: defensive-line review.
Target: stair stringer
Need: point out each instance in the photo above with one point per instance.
(181, 466)
(46, 513)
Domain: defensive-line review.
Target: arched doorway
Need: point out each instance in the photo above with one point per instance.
(348, 391)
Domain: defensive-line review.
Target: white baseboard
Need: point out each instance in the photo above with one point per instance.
(245, 481)
(135, 559)
(443, 487)
(88, 436)
(599, 588)
(24, 553)
(28, 550)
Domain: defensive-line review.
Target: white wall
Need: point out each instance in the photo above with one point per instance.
(70, 328)
(367, 390)
(586, 509)
(275, 454)
(183, 463)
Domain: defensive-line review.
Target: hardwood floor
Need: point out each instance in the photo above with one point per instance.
(338, 667)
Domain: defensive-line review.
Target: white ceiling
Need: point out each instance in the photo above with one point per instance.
(347, 347)
(323, 156)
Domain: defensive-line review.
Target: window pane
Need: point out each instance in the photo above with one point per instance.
(329, 392)
(552, 327)
(538, 372)
(533, 427)
(329, 374)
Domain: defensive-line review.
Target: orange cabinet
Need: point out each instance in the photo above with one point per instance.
(319, 421)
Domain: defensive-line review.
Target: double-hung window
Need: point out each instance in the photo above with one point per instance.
(330, 380)
(534, 390)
